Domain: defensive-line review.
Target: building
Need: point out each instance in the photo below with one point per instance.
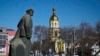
(96, 49)
(10, 33)
(5, 36)
(88, 46)
(3, 41)
(59, 44)
(54, 25)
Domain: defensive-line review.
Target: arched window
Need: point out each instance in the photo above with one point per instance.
(52, 24)
(55, 24)
(56, 33)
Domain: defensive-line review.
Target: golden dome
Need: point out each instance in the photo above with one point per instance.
(54, 17)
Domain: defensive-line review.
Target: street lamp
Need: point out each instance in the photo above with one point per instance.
(73, 42)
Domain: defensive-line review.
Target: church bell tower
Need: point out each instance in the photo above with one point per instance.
(54, 25)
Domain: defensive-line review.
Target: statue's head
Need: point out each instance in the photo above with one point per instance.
(30, 11)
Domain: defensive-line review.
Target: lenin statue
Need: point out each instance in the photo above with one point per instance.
(21, 44)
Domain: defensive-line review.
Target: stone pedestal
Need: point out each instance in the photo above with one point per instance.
(19, 47)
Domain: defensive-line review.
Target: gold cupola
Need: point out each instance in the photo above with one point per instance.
(54, 22)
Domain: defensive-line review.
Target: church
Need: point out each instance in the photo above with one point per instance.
(54, 43)
(59, 43)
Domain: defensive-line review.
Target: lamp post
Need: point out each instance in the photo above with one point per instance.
(73, 41)
(74, 36)
(40, 46)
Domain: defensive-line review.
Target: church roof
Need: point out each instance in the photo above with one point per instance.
(54, 17)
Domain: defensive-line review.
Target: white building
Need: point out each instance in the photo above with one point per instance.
(96, 49)
(3, 42)
(5, 36)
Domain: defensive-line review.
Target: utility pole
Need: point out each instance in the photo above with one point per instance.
(74, 36)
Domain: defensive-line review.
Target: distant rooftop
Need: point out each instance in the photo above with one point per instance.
(10, 30)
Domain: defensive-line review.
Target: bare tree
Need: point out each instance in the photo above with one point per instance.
(41, 32)
(86, 30)
(98, 28)
(67, 33)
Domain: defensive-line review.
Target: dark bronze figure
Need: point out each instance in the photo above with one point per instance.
(21, 44)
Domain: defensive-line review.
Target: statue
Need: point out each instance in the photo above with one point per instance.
(21, 44)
